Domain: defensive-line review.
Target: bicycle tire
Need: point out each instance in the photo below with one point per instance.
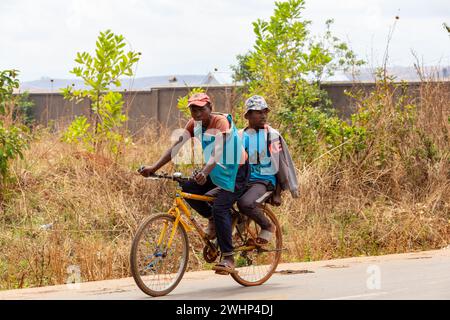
(248, 274)
(144, 280)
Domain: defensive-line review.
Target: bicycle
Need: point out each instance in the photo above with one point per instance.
(160, 248)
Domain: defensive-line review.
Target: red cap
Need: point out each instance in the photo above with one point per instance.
(199, 99)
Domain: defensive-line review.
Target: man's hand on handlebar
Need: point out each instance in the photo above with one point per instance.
(200, 177)
(146, 171)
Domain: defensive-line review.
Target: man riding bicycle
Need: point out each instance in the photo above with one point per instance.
(226, 171)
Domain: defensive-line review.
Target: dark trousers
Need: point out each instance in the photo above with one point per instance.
(247, 203)
(220, 209)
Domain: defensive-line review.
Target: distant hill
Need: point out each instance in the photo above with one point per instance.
(145, 83)
(223, 78)
(403, 73)
(399, 73)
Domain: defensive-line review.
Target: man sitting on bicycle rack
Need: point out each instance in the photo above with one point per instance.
(226, 167)
(271, 167)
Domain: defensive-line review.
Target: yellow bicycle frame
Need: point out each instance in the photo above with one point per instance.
(177, 210)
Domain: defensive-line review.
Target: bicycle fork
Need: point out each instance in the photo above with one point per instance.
(176, 213)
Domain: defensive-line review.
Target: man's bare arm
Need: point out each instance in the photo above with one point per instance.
(167, 155)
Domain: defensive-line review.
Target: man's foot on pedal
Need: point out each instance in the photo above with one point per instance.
(225, 267)
(265, 235)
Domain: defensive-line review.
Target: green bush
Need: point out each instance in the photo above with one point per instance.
(23, 110)
(12, 142)
(286, 66)
(13, 137)
(100, 73)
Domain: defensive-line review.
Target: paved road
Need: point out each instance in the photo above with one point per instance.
(422, 275)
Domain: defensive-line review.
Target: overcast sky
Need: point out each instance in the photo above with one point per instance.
(41, 37)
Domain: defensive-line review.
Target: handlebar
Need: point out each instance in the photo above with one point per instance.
(177, 176)
(174, 177)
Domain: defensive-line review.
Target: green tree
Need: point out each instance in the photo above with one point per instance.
(101, 72)
(8, 82)
(286, 66)
(13, 136)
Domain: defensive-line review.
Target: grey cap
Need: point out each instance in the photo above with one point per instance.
(255, 103)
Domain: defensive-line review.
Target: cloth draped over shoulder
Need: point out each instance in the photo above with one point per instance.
(286, 176)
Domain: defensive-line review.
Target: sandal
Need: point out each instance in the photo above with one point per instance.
(225, 267)
(264, 237)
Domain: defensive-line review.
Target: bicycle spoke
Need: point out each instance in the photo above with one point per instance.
(158, 269)
(255, 264)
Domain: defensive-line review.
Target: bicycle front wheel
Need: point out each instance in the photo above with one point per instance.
(159, 255)
(256, 265)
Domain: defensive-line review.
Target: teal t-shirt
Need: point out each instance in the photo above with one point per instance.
(255, 143)
(224, 173)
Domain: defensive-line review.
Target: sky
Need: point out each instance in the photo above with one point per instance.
(40, 38)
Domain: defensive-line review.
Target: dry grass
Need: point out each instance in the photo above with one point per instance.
(346, 209)
(361, 207)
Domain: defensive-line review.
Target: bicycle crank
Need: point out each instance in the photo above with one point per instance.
(210, 254)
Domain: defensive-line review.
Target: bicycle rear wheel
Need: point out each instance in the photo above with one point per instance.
(255, 266)
(157, 267)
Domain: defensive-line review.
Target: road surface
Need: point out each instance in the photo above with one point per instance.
(421, 275)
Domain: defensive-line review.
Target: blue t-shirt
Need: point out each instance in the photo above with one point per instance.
(255, 143)
(224, 173)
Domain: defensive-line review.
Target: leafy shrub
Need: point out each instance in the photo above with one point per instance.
(286, 66)
(13, 137)
(100, 73)
(23, 110)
